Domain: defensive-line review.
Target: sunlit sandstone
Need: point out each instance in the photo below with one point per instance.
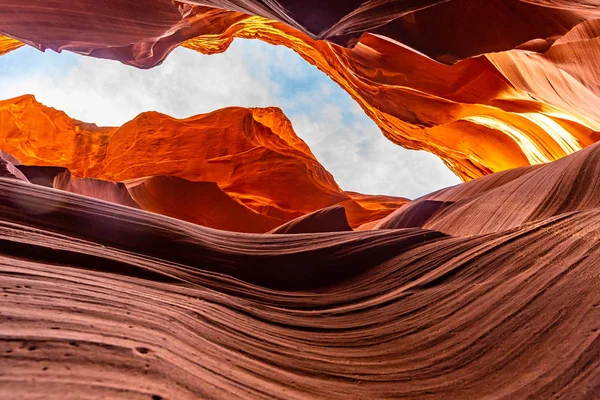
(253, 157)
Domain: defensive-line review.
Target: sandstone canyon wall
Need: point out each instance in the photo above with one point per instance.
(486, 86)
(107, 300)
(115, 285)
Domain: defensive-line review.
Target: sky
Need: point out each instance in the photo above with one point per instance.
(249, 74)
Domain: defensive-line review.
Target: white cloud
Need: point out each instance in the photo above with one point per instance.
(109, 93)
(249, 74)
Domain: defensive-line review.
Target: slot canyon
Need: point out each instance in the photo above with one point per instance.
(216, 256)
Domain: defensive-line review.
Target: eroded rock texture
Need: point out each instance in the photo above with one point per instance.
(236, 169)
(488, 289)
(513, 96)
(105, 300)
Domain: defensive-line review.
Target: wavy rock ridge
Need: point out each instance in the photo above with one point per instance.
(169, 309)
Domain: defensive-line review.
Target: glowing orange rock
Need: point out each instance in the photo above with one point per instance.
(253, 155)
(468, 114)
(477, 115)
(565, 75)
(7, 44)
(140, 305)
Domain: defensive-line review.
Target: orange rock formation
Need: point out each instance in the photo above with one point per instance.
(262, 169)
(483, 114)
(469, 114)
(203, 203)
(7, 44)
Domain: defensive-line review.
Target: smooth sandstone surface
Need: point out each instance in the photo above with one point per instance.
(330, 219)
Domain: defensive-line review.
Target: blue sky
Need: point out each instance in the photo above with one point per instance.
(250, 74)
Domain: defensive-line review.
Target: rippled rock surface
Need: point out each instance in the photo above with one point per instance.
(100, 299)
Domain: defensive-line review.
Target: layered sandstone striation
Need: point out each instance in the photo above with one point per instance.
(330, 219)
(118, 302)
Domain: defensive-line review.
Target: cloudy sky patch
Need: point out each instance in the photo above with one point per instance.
(249, 74)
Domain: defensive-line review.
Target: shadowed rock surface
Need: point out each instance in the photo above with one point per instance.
(8, 168)
(125, 303)
(42, 175)
(203, 203)
(414, 214)
(113, 192)
(330, 219)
